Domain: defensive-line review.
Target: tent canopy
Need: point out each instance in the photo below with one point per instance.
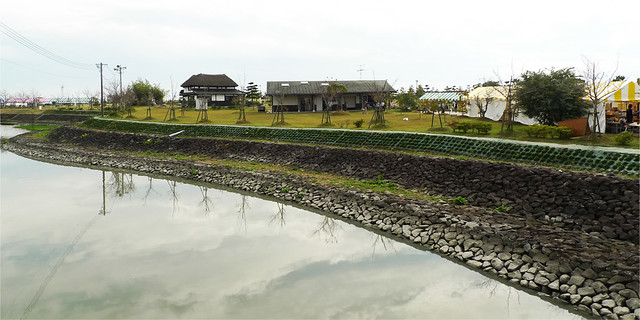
(619, 91)
(495, 93)
(442, 95)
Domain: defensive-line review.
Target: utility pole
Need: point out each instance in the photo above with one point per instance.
(119, 68)
(100, 65)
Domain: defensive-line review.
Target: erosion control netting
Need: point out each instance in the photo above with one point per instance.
(574, 157)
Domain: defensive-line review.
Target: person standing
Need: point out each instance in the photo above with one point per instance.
(629, 114)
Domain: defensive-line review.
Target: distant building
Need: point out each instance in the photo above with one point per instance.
(307, 95)
(206, 90)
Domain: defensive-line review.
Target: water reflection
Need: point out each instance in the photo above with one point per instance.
(327, 230)
(278, 218)
(206, 202)
(160, 253)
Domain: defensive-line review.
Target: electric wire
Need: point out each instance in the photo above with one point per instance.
(55, 268)
(40, 50)
(3, 60)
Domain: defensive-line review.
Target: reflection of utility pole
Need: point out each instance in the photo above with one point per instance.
(119, 68)
(104, 197)
(100, 65)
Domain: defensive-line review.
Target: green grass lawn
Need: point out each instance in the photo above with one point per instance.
(396, 121)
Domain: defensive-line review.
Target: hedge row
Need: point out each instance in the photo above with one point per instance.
(581, 158)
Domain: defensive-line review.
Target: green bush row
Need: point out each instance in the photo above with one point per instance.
(581, 158)
(481, 128)
(544, 131)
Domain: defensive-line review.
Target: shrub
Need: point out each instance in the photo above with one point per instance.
(538, 130)
(562, 132)
(623, 138)
(358, 123)
(482, 128)
(462, 126)
(460, 200)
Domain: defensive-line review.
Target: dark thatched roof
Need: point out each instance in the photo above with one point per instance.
(209, 80)
(316, 87)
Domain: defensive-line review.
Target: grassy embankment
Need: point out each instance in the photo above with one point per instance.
(415, 122)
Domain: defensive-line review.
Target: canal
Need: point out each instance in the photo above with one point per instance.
(86, 243)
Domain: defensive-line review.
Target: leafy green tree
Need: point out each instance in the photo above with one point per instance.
(407, 100)
(253, 93)
(551, 97)
(147, 94)
(420, 90)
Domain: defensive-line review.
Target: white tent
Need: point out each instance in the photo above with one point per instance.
(615, 97)
(496, 106)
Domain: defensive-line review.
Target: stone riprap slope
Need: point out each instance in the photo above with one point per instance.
(582, 201)
(590, 272)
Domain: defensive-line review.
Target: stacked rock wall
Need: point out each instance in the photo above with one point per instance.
(574, 200)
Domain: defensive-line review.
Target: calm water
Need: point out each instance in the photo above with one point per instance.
(83, 243)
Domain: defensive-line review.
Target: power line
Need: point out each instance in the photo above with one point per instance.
(40, 50)
(3, 60)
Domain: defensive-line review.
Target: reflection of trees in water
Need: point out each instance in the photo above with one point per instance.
(492, 287)
(205, 200)
(120, 184)
(242, 211)
(278, 216)
(380, 240)
(174, 195)
(328, 228)
(149, 190)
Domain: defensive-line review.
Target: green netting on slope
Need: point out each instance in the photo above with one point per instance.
(560, 156)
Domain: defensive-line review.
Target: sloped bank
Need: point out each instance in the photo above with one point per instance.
(607, 205)
(595, 274)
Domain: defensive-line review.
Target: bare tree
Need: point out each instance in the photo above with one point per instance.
(278, 117)
(242, 211)
(4, 96)
(507, 89)
(171, 112)
(120, 184)
(174, 195)
(206, 201)
(89, 95)
(328, 228)
(113, 94)
(598, 87)
(483, 102)
(381, 98)
(279, 216)
(128, 98)
(384, 241)
(330, 95)
(241, 102)
(149, 190)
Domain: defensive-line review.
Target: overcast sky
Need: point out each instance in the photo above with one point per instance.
(437, 43)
